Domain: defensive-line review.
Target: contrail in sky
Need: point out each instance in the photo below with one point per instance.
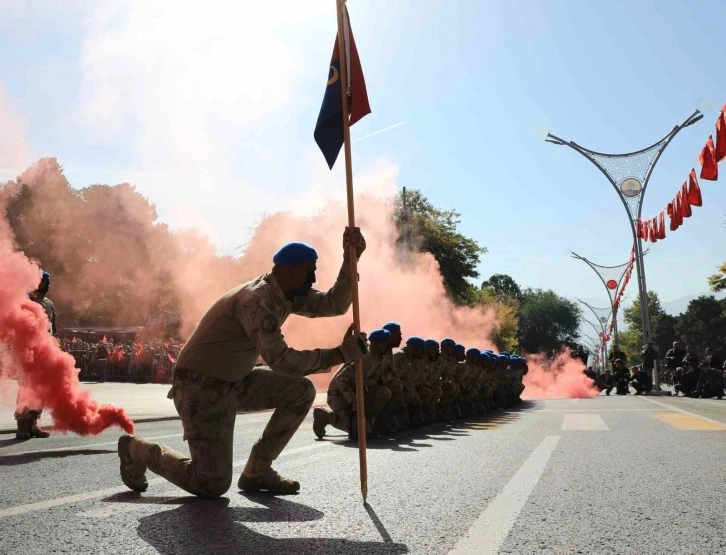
(399, 124)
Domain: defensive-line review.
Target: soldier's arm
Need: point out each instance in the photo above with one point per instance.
(262, 327)
(333, 302)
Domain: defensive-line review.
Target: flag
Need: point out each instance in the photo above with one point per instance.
(685, 205)
(707, 159)
(694, 191)
(329, 128)
(720, 137)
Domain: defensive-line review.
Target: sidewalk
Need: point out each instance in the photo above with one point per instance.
(143, 402)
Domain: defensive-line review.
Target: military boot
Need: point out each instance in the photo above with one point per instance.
(430, 414)
(23, 429)
(416, 417)
(133, 467)
(401, 415)
(353, 427)
(443, 413)
(479, 408)
(320, 421)
(35, 431)
(269, 481)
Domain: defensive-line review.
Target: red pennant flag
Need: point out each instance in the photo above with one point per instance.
(685, 205)
(653, 230)
(707, 159)
(669, 210)
(661, 226)
(694, 191)
(677, 211)
(720, 137)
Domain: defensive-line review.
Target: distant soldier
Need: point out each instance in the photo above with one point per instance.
(397, 404)
(216, 377)
(408, 369)
(674, 356)
(342, 392)
(27, 417)
(449, 364)
(431, 387)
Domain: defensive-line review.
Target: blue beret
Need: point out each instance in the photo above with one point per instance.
(473, 351)
(393, 327)
(484, 355)
(504, 358)
(46, 275)
(295, 254)
(448, 342)
(487, 351)
(506, 353)
(415, 342)
(432, 344)
(460, 348)
(379, 336)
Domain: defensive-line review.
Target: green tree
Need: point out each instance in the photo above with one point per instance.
(432, 230)
(718, 281)
(661, 325)
(703, 324)
(506, 308)
(502, 284)
(547, 321)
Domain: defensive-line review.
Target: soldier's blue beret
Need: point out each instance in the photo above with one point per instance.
(379, 336)
(415, 342)
(473, 352)
(484, 355)
(393, 327)
(460, 348)
(448, 342)
(504, 358)
(432, 344)
(295, 254)
(506, 353)
(46, 275)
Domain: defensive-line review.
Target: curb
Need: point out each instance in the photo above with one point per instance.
(155, 419)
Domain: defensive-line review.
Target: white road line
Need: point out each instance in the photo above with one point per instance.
(584, 422)
(77, 447)
(488, 533)
(573, 411)
(50, 503)
(676, 409)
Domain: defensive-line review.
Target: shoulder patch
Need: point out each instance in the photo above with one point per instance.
(269, 323)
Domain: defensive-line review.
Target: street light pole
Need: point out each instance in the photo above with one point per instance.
(629, 175)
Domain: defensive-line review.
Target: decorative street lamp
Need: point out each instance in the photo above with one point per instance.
(629, 175)
(611, 277)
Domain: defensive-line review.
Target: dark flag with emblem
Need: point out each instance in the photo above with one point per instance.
(329, 128)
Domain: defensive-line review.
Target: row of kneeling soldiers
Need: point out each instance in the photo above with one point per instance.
(423, 383)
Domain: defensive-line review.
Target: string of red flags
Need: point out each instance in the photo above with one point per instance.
(689, 194)
(620, 293)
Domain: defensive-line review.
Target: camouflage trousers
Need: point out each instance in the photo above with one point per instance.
(410, 394)
(430, 394)
(208, 407)
(449, 393)
(376, 398)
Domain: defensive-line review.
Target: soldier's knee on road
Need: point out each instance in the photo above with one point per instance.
(214, 486)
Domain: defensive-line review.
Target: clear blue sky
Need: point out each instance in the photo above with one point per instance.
(210, 113)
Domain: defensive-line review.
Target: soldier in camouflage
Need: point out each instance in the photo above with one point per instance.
(342, 392)
(27, 417)
(216, 377)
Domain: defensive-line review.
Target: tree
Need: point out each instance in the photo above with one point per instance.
(502, 284)
(718, 281)
(436, 231)
(506, 308)
(703, 324)
(661, 326)
(547, 321)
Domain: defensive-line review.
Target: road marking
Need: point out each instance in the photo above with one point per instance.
(687, 422)
(77, 447)
(676, 409)
(489, 531)
(584, 422)
(50, 503)
(594, 410)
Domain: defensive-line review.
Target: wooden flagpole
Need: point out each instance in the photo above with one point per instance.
(359, 393)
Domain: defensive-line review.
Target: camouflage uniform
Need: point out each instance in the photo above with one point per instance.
(342, 391)
(216, 377)
(408, 372)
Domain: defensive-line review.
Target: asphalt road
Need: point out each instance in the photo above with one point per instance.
(604, 475)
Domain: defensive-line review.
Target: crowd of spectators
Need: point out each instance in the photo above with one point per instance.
(137, 360)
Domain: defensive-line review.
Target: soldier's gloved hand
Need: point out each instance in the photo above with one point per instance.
(354, 347)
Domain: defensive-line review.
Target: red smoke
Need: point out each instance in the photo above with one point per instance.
(561, 377)
(48, 375)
